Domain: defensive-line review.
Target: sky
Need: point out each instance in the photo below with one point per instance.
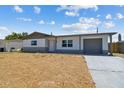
(60, 20)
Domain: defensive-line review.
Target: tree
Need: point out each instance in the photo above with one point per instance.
(16, 36)
(119, 37)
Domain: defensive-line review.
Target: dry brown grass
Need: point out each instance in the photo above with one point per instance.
(119, 54)
(43, 70)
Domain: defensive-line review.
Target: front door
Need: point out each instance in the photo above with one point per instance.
(51, 45)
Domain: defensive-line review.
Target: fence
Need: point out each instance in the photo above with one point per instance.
(117, 47)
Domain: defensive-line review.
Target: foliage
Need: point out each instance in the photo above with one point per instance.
(16, 36)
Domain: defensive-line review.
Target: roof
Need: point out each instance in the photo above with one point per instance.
(89, 34)
(37, 35)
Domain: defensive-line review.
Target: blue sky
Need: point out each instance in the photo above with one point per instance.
(61, 19)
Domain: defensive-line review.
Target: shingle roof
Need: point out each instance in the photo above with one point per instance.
(37, 35)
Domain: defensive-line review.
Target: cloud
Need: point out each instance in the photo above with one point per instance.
(109, 25)
(121, 5)
(72, 27)
(73, 10)
(24, 19)
(71, 13)
(92, 21)
(98, 15)
(3, 29)
(108, 16)
(41, 22)
(76, 7)
(52, 23)
(18, 9)
(37, 9)
(49, 23)
(120, 16)
(77, 28)
(83, 25)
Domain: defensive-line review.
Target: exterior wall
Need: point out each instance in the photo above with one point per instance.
(75, 43)
(2, 43)
(13, 44)
(42, 45)
(35, 49)
(78, 43)
(104, 41)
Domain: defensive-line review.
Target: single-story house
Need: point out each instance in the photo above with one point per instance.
(2, 45)
(10, 45)
(94, 43)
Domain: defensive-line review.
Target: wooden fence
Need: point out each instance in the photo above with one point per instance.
(117, 47)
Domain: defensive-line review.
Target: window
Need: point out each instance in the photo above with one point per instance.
(34, 42)
(64, 43)
(70, 43)
(12, 48)
(67, 43)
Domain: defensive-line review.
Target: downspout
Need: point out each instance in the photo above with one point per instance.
(80, 43)
(110, 45)
(55, 43)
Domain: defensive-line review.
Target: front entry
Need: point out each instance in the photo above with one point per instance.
(51, 45)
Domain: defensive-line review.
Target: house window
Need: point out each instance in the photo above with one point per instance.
(70, 43)
(64, 43)
(67, 43)
(34, 42)
(12, 48)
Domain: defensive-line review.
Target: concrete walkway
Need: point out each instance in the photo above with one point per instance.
(107, 71)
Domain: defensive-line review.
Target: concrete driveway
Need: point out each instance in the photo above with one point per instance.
(107, 71)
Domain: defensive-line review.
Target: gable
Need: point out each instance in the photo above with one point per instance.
(37, 35)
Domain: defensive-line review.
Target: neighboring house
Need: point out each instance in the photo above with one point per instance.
(13, 45)
(10, 45)
(2, 45)
(95, 43)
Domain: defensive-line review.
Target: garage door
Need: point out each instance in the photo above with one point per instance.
(92, 46)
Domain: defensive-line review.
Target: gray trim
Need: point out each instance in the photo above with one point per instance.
(69, 51)
(55, 43)
(35, 49)
(105, 52)
(79, 42)
(110, 44)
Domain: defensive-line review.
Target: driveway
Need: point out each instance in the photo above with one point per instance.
(106, 71)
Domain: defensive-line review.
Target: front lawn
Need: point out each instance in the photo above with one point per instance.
(43, 70)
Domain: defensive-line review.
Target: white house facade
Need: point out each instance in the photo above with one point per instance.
(95, 43)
